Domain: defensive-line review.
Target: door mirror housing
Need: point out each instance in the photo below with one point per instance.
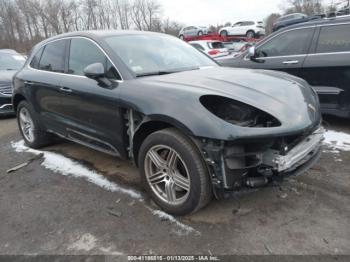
(94, 71)
(252, 52)
(252, 55)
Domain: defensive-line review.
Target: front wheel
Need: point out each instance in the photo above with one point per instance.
(223, 33)
(174, 173)
(200, 33)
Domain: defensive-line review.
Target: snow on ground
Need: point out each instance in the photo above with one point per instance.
(337, 141)
(67, 167)
(185, 229)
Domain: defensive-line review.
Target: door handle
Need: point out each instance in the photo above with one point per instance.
(66, 89)
(290, 62)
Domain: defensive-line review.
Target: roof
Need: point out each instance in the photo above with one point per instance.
(96, 34)
(321, 21)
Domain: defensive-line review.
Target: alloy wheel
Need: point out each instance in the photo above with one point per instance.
(167, 175)
(26, 124)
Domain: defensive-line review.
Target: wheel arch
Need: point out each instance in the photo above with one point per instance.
(250, 30)
(17, 98)
(151, 125)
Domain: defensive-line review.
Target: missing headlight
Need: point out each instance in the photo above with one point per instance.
(238, 113)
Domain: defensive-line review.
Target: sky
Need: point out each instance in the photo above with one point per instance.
(205, 12)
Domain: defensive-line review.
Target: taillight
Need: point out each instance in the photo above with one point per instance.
(213, 52)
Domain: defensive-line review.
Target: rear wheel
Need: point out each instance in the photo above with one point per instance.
(30, 128)
(223, 33)
(181, 37)
(174, 173)
(200, 33)
(250, 34)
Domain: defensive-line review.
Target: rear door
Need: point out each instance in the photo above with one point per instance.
(43, 81)
(245, 27)
(327, 68)
(284, 52)
(235, 29)
(91, 111)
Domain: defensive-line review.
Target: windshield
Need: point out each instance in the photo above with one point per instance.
(149, 54)
(11, 61)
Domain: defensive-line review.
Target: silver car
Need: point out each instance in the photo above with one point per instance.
(191, 31)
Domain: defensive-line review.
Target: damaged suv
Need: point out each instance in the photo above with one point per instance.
(193, 128)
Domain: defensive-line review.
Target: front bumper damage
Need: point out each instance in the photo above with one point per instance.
(247, 164)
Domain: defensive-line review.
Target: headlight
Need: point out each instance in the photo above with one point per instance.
(238, 113)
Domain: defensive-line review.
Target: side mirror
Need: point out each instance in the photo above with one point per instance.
(252, 53)
(94, 71)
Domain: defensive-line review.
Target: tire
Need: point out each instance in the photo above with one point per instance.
(186, 158)
(250, 34)
(200, 33)
(39, 137)
(181, 37)
(223, 33)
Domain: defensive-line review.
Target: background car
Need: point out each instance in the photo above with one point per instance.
(290, 19)
(191, 31)
(317, 51)
(212, 48)
(249, 29)
(10, 62)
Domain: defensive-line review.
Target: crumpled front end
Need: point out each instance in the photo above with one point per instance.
(256, 163)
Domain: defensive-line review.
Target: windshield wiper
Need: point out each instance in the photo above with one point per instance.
(158, 73)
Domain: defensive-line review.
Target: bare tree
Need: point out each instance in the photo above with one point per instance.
(269, 21)
(309, 7)
(26, 22)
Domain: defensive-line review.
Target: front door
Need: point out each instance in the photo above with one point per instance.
(91, 110)
(284, 52)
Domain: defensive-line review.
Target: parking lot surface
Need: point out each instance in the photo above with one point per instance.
(73, 200)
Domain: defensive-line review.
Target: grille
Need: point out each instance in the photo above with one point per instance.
(6, 89)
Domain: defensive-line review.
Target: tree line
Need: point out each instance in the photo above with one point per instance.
(24, 23)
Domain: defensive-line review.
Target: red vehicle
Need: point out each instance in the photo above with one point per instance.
(217, 37)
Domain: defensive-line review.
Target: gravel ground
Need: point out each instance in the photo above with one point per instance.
(47, 212)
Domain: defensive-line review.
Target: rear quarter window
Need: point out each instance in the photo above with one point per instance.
(53, 56)
(334, 39)
(36, 59)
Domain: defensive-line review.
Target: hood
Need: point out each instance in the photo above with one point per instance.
(289, 99)
(6, 75)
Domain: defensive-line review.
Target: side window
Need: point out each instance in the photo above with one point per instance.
(197, 46)
(247, 23)
(52, 58)
(83, 53)
(294, 42)
(334, 39)
(36, 58)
